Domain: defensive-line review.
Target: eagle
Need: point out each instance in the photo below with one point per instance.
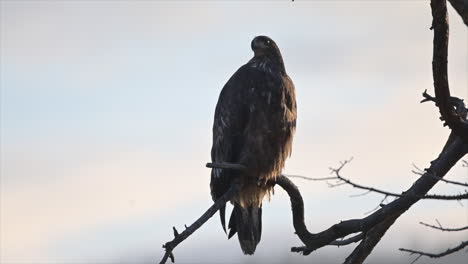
(254, 123)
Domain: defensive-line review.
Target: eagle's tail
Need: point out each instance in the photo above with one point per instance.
(247, 222)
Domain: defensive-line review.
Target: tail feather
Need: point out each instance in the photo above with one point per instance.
(232, 221)
(222, 215)
(247, 223)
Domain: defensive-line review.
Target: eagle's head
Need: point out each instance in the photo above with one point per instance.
(263, 45)
(267, 54)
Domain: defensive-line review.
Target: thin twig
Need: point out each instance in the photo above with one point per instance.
(438, 255)
(368, 189)
(309, 178)
(378, 206)
(418, 169)
(360, 194)
(451, 182)
(444, 228)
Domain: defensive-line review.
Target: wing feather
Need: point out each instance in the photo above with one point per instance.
(231, 117)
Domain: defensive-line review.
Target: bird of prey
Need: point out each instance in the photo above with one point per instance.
(254, 123)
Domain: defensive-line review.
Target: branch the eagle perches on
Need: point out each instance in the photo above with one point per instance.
(369, 230)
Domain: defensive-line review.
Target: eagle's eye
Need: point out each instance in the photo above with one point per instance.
(268, 42)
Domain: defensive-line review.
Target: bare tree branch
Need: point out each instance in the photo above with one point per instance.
(381, 204)
(372, 238)
(309, 178)
(456, 122)
(383, 217)
(341, 180)
(370, 229)
(447, 197)
(178, 238)
(420, 172)
(457, 103)
(439, 255)
(443, 228)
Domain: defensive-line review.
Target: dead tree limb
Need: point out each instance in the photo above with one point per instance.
(178, 238)
(375, 225)
(372, 237)
(453, 120)
(370, 229)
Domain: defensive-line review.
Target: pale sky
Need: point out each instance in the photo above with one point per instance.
(107, 107)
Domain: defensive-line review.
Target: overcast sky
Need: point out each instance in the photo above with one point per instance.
(107, 108)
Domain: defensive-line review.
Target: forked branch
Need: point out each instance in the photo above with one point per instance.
(375, 225)
(457, 123)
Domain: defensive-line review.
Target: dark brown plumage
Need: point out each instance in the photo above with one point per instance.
(254, 123)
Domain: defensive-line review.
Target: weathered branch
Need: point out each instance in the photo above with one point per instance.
(457, 123)
(370, 229)
(373, 236)
(178, 238)
(439, 255)
(458, 105)
(378, 223)
(382, 219)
